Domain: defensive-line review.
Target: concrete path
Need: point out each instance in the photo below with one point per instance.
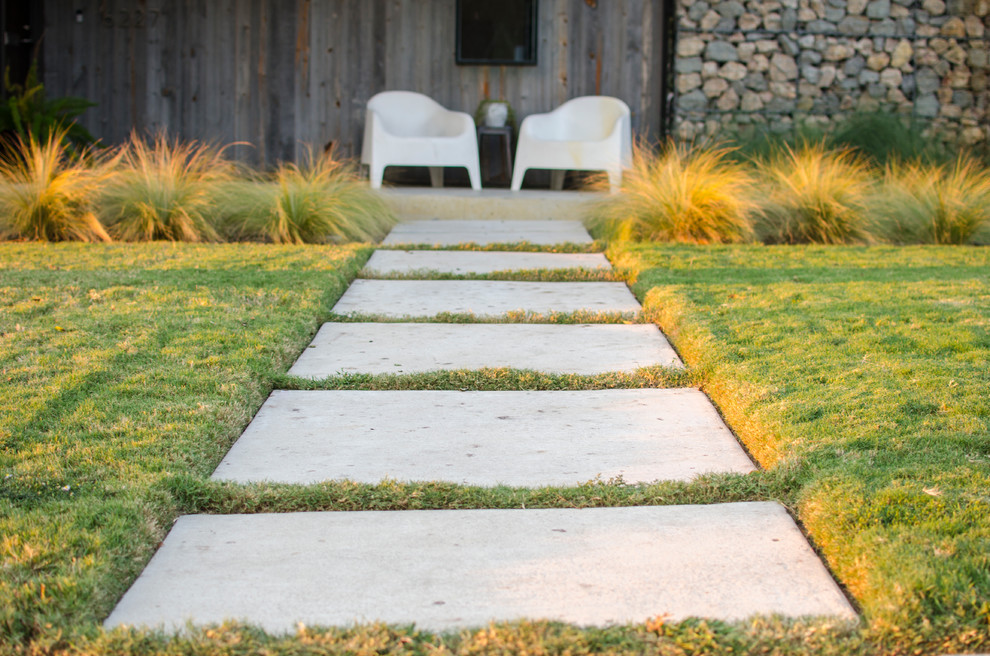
(403, 348)
(445, 570)
(453, 232)
(465, 262)
(482, 298)
(521, 439)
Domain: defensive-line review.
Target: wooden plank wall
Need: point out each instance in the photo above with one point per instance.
(279, 75)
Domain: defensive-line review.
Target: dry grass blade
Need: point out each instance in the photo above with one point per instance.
(679, 195)
(165, 190)
(928, 204)
(47, 196)
(321, 201)
(815, 196)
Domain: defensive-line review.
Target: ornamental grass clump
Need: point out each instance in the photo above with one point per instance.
(165, 189)
(679, 195)
(46, 194)
(321, 201)
(935, 204)
(814, 196)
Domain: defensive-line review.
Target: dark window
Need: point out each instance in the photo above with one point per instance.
(496, 32)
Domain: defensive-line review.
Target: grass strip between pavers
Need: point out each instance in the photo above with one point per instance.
(525, 275)
(596, 246)
(856, 376)
(515, 316)
(495, 379)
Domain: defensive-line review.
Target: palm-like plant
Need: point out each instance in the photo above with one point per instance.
(679, 194)
(165, 189)
(47, 194)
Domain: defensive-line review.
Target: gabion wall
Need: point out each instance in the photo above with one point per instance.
(772, 62)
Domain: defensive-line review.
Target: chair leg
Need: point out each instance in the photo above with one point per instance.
(474, 172)
(436, 176)
(615, 180)
(375, 174)
(557, 179)
(518, 173)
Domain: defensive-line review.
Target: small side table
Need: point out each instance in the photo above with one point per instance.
(503, 175)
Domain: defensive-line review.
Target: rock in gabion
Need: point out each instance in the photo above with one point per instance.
(773, 62)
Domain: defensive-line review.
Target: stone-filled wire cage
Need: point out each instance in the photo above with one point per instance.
(771, 63)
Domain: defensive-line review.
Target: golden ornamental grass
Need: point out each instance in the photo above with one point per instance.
(935, 204)
(46, 195)
(680, 194)
(814, 195)
(165, 189)
(320, 201)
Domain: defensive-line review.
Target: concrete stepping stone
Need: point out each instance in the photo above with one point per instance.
(423, 203)
(464, 262)
(523, 439)
(451, 569)
(482, 298)
(404, 348)
(451, 232)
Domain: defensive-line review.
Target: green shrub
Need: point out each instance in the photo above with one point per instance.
(884, 138)
(678, 194)
(935, 204)
(27, 112)
(759, 143)
(321, 201)
(165, 190)
(46, 194)
(814, 195)
(878, 137)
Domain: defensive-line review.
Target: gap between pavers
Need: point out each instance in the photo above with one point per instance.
(521, 439)
(384, 262)
(451, 569)
(404, 348)
(482, 298)
(482, 232)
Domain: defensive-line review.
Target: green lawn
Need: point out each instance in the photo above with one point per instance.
(124, 367)
(859, 378)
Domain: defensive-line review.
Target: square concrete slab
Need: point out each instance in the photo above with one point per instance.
(465, 262)
(402, 348)
(449, 569)
(418, 203)
(482, 298)
(524, 439)
(482, 232)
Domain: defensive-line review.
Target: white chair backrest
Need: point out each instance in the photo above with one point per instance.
(411, 114)
(589, 118)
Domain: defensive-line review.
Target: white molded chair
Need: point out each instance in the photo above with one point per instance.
(591, 133)
(404, 128)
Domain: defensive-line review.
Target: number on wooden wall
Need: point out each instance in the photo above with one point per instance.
(126, 19)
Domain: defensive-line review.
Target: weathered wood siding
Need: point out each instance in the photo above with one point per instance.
(281, 74)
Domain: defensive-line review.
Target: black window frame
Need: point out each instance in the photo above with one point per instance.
(534, 12)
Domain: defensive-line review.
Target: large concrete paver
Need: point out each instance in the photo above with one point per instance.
(483, 232)
(423, 203)
(484, 438)
(403, 348)
(450, 569)
(466, 262)
(482, 298)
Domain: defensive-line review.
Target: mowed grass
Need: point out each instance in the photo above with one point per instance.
(121, 367)
(857, 377)
(864, 373)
